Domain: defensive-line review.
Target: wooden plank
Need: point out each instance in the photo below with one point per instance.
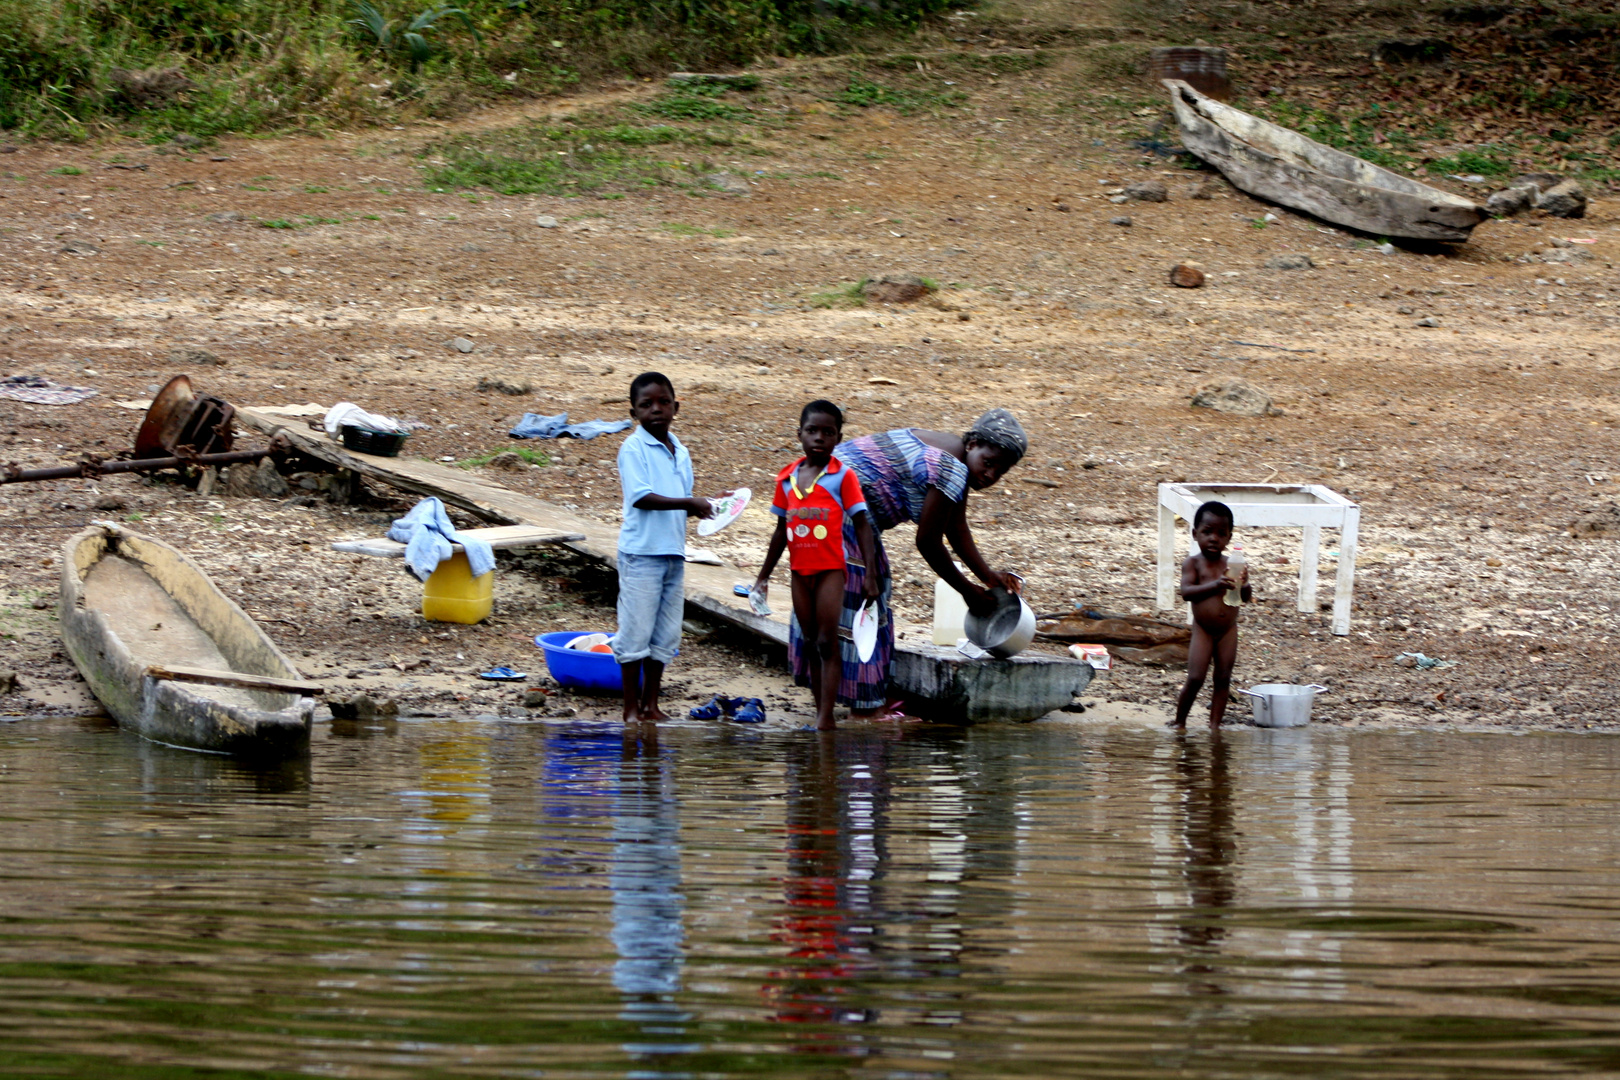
(234, 679)
(501, 537)
(1022, 688)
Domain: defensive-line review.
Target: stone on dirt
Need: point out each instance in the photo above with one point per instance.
(1186, 276)
(1147, 191)
(195, 357)
(109, 502)
(499, 385)
(1430, 321)
(256, 481)
(1566, 255)
(1511, 201)
(225, 215)
(363, 706)
(546, 221)
(1123, 220)
(729, 183)
(1289, 262)
(461, 345)
(1565, 200)
(1539, 180)
(1236, 397)
(507, 459)
(8, 681)
(1603, 522)
(80, 247)
(896, 289)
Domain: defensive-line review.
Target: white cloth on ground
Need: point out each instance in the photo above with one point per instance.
(427, 533)
(347, 412)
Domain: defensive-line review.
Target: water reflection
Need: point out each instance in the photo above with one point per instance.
(480, 900)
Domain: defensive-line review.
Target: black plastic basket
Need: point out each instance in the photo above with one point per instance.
(366, 441)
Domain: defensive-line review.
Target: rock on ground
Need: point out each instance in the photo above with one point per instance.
(499, 385)
(1511, 201)
(1147, 191)
(1565, 200)
(1186, 276)
(195, 357)
(1289, 262)
(728, 183)
(896, 289)
(1604, 522)
(1236, 397)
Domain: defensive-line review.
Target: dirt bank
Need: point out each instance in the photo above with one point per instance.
(1472, 445)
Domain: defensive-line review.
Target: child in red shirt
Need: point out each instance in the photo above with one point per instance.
(814, 498)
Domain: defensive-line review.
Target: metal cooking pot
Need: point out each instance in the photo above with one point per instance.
(1282, 704)
(1006, 631)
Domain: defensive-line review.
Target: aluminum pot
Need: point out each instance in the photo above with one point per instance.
(1006, 631)
(1282, 704)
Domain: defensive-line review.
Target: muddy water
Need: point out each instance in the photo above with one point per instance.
(435, 899)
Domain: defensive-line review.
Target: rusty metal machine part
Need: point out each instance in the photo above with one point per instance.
(91, 465)
(181, 418)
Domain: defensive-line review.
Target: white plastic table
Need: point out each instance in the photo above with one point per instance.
(1257, 506)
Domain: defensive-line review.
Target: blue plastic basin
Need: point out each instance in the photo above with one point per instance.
(572, 667)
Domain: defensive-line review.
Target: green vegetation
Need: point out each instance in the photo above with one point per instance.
(67, 170)
(277, 223)
(681, 229)
(204, 67)
(848, 295)
(864, 92)
(538, 158)
(1484, 160)
(526, 453)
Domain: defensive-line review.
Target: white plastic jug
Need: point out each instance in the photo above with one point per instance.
(949, 612)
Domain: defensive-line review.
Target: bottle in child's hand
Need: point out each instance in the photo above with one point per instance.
(1235, 562)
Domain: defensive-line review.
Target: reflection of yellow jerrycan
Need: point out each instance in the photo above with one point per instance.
(452, 594)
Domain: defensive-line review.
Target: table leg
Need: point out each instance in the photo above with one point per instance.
(1346, 584)
(1167, 559)
(1307, 569)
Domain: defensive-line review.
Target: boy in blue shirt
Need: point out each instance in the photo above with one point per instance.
(656, 473)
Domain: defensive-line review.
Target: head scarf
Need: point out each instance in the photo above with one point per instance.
(1000, 428)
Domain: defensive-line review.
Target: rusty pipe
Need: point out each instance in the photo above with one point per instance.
(92, 466)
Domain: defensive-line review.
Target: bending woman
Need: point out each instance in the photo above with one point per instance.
(910, 474)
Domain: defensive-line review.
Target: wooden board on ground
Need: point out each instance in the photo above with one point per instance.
(1022, 688)
(212, 677)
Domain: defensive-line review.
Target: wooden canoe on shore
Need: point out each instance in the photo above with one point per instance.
(170, 656)
(1285, 167)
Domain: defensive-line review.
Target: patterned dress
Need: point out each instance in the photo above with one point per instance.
(895, 469)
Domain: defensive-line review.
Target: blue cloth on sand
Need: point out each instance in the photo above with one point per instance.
(427, 535)
(535, 426)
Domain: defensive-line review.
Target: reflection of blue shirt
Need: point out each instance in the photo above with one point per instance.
(648, 467)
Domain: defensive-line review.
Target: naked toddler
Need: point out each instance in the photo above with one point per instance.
(1205, 581)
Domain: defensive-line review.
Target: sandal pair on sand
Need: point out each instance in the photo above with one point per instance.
(742, 710)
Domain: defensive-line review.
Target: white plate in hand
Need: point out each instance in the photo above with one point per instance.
(865, 631)
(727, 508)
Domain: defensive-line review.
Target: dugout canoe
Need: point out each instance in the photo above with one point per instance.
(169, 654)
(1285, 167)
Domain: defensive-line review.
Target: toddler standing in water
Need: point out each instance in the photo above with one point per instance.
(1205, 581)
(813, 498)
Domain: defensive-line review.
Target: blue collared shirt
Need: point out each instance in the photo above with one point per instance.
(647, 467)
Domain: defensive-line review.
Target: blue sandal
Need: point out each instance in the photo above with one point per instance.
(749, 711)
(503, 674)
(716, 707)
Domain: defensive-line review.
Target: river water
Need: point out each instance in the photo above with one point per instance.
(1049, 900)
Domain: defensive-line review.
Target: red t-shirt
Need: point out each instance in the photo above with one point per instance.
(815, 520)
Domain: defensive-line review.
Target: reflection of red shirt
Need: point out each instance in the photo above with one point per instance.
(815, 521)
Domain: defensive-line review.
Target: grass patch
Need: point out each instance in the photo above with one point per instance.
(842, 296)
(277, 223)
(864, 93)
(526, 453)
(67, 170)
(694, 101)
(682, 229)
(1486, 161)
(550, 159)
